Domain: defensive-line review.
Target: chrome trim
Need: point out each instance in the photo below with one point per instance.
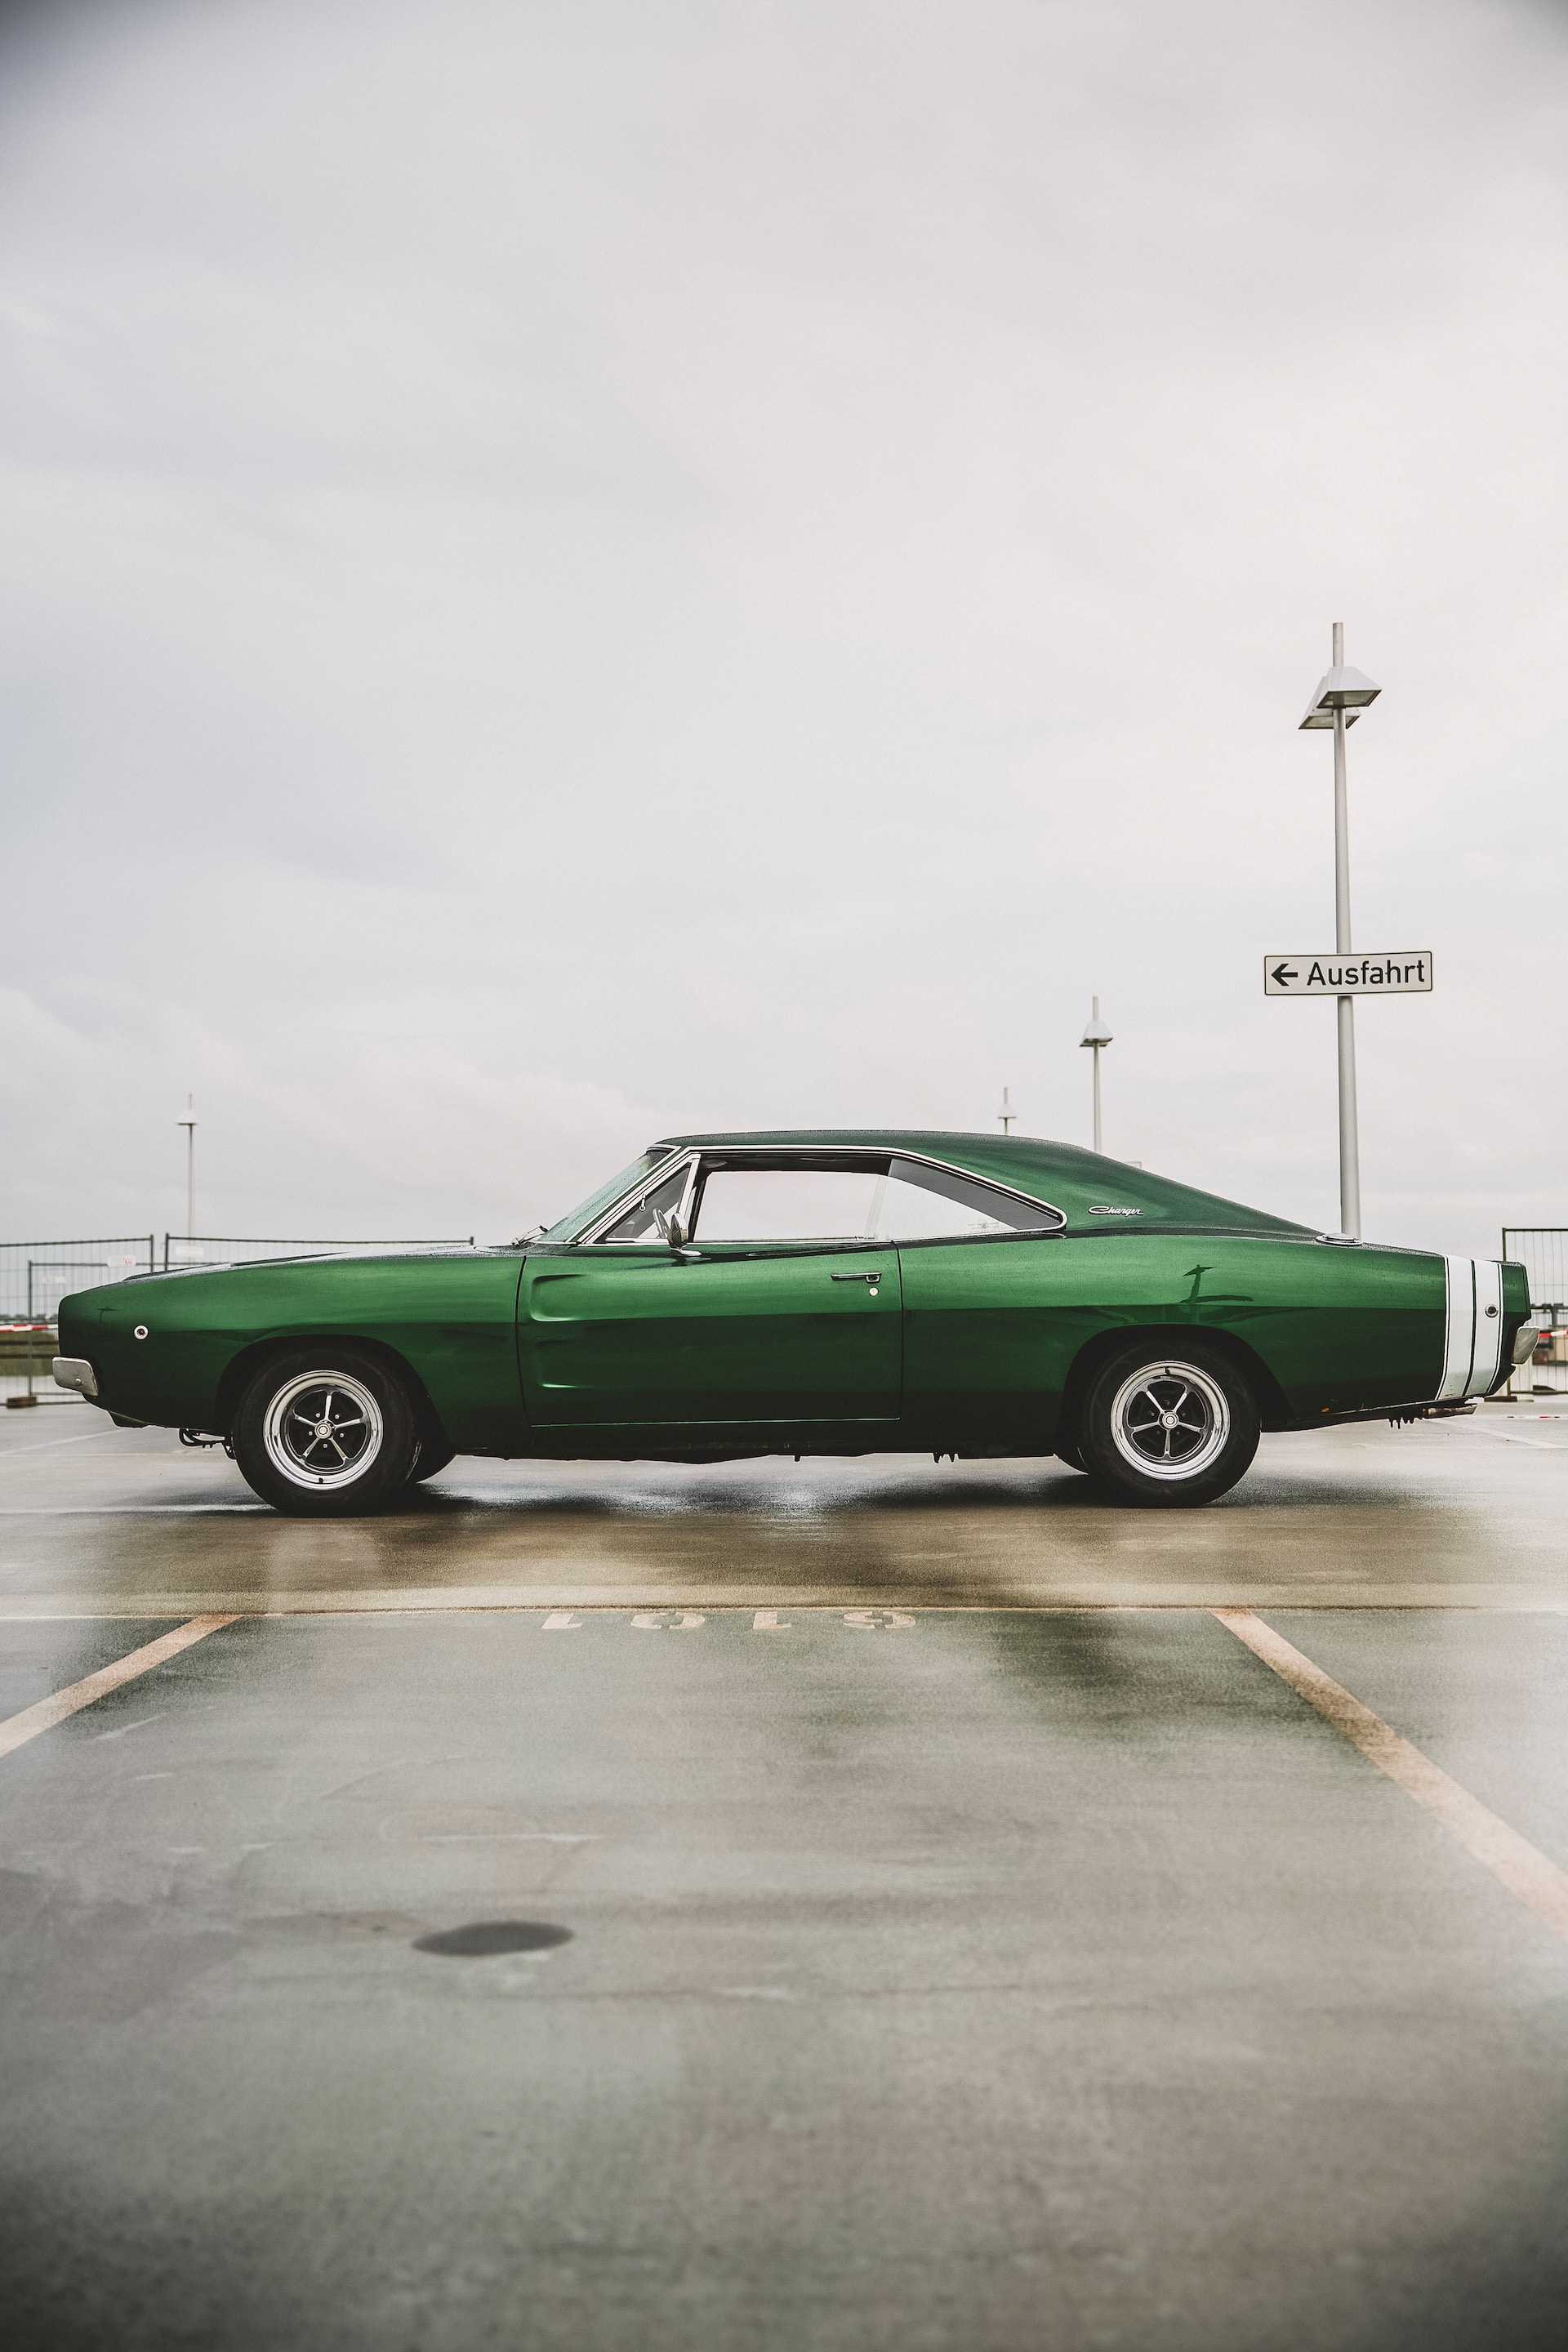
(291, 1455)
(687, 1194)
(616, 1208)
(1160, 1423)
(76, 1372)
(700, 1151)
(639, 1194)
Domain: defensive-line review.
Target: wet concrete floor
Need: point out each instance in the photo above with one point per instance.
(835, 1905)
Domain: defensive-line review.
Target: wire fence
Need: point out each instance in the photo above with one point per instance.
(33, 1279)
(36, 1275)
(1543, 1250)
(219, 1249)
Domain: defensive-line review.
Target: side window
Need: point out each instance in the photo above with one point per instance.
(930, 1204)
(644, 1223)
(786, 1204)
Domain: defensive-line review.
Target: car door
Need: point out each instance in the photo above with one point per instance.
(778, 1313)
(986, 1322)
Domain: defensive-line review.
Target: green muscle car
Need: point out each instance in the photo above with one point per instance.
(839, 1292)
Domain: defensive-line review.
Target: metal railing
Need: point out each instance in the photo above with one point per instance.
(1543, 1250)
(36, 1275)
(227, 1249)
(33, 1279)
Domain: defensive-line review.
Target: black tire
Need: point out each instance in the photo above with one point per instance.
(325, 1432)
(1169, 1427)
(1069, 1451)
(431, 1456)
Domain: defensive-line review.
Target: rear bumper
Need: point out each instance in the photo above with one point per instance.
(76, 1372)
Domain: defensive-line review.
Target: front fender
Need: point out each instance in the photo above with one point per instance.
(451, 1318)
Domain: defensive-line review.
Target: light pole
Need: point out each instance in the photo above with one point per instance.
(1096, 1035)
(1006, 1114)
(1340, 700)
(189, 1124)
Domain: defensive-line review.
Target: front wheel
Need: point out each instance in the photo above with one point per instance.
(1169, 1430)
(324, 1433)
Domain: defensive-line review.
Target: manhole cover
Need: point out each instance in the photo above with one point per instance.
(483, 1939)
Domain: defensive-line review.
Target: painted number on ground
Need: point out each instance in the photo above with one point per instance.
(688, 1621)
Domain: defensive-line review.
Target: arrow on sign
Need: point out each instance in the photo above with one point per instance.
(1283, 974)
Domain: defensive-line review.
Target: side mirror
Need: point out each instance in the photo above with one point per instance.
(674, 1231)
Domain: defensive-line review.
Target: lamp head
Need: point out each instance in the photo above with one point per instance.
(1349, 690)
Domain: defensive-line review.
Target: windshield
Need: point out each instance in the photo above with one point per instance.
(567, 1228)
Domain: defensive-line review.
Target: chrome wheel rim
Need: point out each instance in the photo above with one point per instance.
(1170, 1421)
(323, 1430)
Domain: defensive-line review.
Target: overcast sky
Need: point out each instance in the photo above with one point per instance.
(583, 569)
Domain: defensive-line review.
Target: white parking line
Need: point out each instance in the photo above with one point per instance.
(127, 1511)
(17, 1729)
(48, 1445)
(1521, 1867)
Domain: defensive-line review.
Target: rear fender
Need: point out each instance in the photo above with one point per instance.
(1273, 1410)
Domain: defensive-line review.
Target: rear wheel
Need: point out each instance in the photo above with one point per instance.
(324, 1433)
(1169, 1430)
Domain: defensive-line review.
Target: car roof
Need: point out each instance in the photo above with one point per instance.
(1079, 1183)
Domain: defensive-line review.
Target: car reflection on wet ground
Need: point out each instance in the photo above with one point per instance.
(830, 1905)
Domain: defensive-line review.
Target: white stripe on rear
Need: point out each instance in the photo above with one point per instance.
(1488, 1326)
(1460, 1334)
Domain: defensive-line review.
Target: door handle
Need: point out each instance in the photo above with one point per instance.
(872, 1278)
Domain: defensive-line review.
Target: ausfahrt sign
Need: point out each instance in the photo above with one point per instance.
(1387, 972)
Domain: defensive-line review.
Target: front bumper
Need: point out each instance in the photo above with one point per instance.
(76, 1372)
